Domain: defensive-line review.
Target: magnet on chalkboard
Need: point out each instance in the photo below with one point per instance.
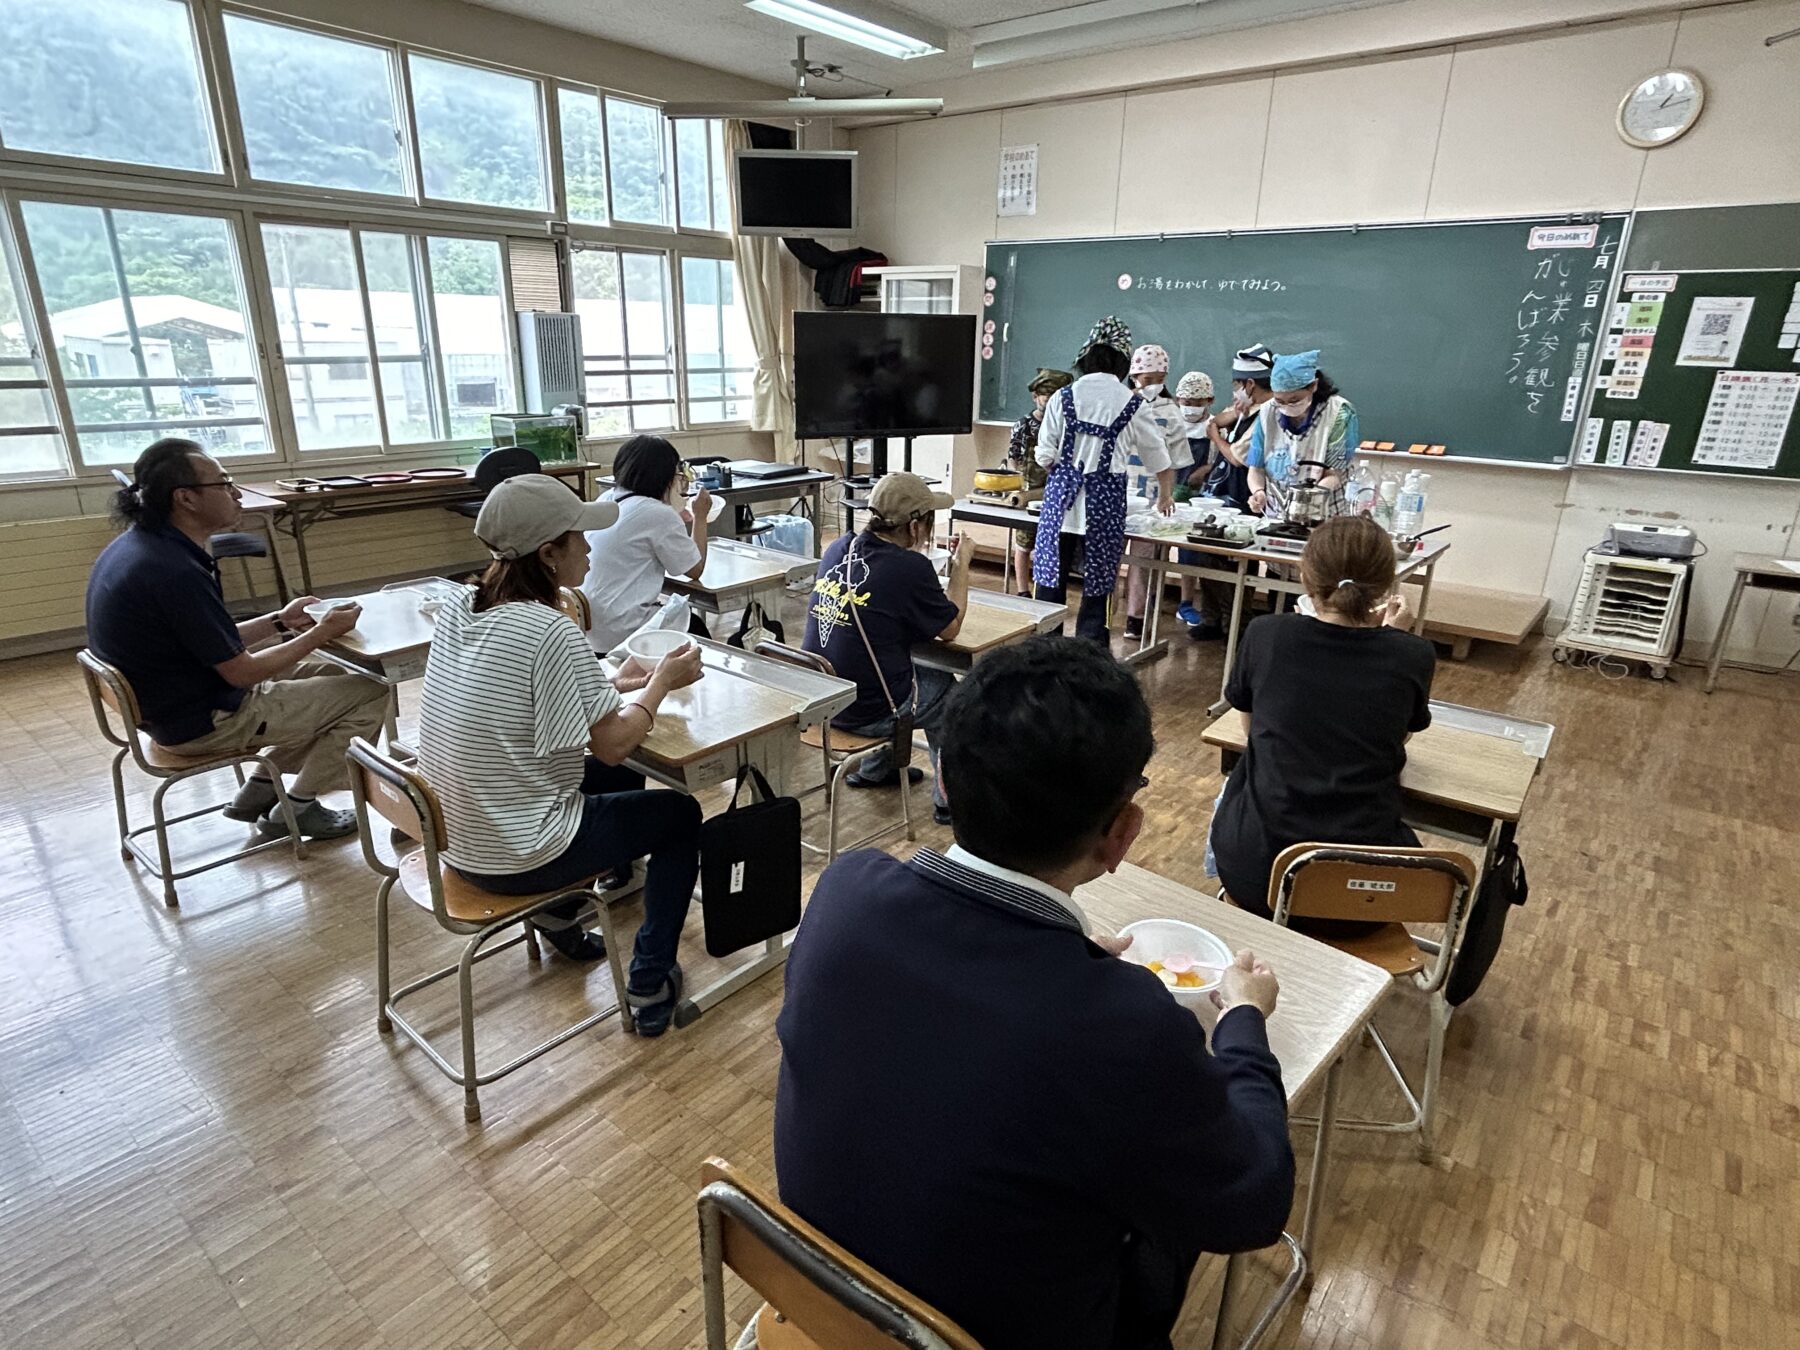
(1434, 449)
(1385, 446)
(1417, 448)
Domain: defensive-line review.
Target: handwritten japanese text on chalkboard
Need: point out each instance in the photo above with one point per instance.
(1545, 310)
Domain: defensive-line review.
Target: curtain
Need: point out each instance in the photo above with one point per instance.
(773, 285)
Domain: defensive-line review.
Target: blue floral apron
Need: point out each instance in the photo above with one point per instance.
(1105, 492)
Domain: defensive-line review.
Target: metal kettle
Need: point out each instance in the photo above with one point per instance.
(1308, 503)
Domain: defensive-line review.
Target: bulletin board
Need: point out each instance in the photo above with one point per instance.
(1699, 372)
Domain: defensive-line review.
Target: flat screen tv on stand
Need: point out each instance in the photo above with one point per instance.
(884, 377)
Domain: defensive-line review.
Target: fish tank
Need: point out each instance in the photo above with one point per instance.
(553, 438)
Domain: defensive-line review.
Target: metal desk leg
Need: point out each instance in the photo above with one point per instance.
(1151, 645)
(297, 523)
(1725, 621)
(1315, 1186)
(816, 496)
(1240, 583)
(1430, 570)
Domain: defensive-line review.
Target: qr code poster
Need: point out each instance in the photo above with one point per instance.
(1715, 331)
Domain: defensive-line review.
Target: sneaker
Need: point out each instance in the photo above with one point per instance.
(574, 941)
(1134, 628)
(891, 779)
(1189, 615)
(940, 815)
(1206, 632)
(652, 1011)
(253, 800)
(316, 821)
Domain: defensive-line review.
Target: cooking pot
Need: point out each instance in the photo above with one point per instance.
(999, 480)
(1308, 503)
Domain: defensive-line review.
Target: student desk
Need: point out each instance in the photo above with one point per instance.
(1753, 569)
(806, 486)
(307, 506)
(1419, 566)
(1466, 777)
(1327, 998)
(994, 620)
(737, 573)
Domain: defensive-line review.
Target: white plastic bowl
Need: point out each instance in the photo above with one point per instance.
(652, 645)
(940, 558)
(1153, 939)
(320, 609)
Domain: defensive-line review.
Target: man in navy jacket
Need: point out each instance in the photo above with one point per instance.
(983, 1102)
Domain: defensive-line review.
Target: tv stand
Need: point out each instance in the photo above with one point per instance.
(878, 455)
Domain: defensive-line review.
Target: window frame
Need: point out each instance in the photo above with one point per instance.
(711, 231)
(687, 369)
(38, 358)
(205, 68)
(245, 269)
(418, 236)
(672, 325)
(549, 152)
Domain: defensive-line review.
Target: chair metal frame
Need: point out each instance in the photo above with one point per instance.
(1430, 981)
(111, 693)
(846, 761)
(881, 1312)
(402, 797)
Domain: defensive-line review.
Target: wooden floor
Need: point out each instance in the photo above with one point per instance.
(204, 1142)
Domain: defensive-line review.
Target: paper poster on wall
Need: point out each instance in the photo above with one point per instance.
(1747, 418)
(1018, 180)
(1715, 330)
(1647, 445)
(1618, 443)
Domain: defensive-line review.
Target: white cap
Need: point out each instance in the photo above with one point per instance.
(530, 510)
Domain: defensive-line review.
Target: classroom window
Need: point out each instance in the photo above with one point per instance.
(701, 197)
(149, 323)
(105, 79)
(481, 136)
(355, 340)
(315, 109)
(637, 152)
(628, 350)
(30, 441)
(583, 154)
(721, 359)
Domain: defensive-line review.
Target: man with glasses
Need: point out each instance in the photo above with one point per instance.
(155, 610)
(976, 1097)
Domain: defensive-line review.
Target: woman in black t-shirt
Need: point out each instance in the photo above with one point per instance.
(1331, 701)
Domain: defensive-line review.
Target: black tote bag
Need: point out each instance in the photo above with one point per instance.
(750, 868)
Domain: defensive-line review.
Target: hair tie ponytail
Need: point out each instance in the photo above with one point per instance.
(1345, 582)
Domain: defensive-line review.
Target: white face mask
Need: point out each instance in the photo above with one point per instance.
(1193, 414)
(1298, 412)
(1150, 390)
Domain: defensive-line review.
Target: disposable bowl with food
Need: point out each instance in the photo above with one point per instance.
(1154, 939)
(319, 609)
(653, 644)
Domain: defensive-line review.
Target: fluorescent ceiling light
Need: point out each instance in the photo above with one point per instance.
(817, 18)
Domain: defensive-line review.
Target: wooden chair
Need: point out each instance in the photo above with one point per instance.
(575, 604)
(1387, 888)
(401, 796)
(817, 1294)
(841, 753)
(112, 696)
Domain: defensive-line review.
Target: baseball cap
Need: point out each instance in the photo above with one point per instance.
(901, 497)
(530, 510)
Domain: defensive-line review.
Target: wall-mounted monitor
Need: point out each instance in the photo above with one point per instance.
(796, 192)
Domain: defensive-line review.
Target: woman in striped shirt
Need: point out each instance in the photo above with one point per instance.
(523, 737)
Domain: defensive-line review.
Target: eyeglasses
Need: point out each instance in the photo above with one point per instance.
(226, 482)
(1294, 400)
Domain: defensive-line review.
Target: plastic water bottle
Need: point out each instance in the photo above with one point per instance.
(1387, 497)
(1409, 510)
(1361, 492)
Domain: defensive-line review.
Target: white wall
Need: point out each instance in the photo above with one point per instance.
(1476, 128)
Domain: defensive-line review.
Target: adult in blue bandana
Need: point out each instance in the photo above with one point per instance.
(1306, 419)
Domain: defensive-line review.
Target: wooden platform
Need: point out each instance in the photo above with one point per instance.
(1464, 614)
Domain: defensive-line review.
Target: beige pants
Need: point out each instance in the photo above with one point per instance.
(305, 719)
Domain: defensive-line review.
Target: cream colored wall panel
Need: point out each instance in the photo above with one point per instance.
(1502, 521)
(1746, 145)
(1167, 189)
(947, 176)
(1729, 515)
(1078, 167)
(1528, 126)
(1353, 144)
(878, 178)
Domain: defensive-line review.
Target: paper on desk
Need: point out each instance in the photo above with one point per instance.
(1789, 564)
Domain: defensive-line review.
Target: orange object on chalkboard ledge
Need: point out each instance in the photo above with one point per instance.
(1385, 446)
(1366, 445)
(1417, 448)
(1434, 449)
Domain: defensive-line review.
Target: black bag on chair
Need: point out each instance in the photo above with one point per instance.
(757, 626)
(1503, 887)
(750, 869)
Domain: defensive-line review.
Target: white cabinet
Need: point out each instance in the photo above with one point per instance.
(947, 289)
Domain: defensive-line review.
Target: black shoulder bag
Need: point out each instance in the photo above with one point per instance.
(1503, 887)
(750, 868)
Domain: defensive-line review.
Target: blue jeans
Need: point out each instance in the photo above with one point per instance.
(619, 823)
(930, 687)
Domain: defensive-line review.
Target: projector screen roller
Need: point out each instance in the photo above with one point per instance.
(861, 374)
(796, 192)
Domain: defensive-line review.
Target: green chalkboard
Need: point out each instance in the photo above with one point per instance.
(1677, 396)
(1461, 335)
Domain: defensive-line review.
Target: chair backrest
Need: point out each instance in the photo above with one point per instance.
(399, 794)
(575, 604)
(1376, 884)
(112, 696)
(503, 462)
(828, 1296)
(795, 656)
